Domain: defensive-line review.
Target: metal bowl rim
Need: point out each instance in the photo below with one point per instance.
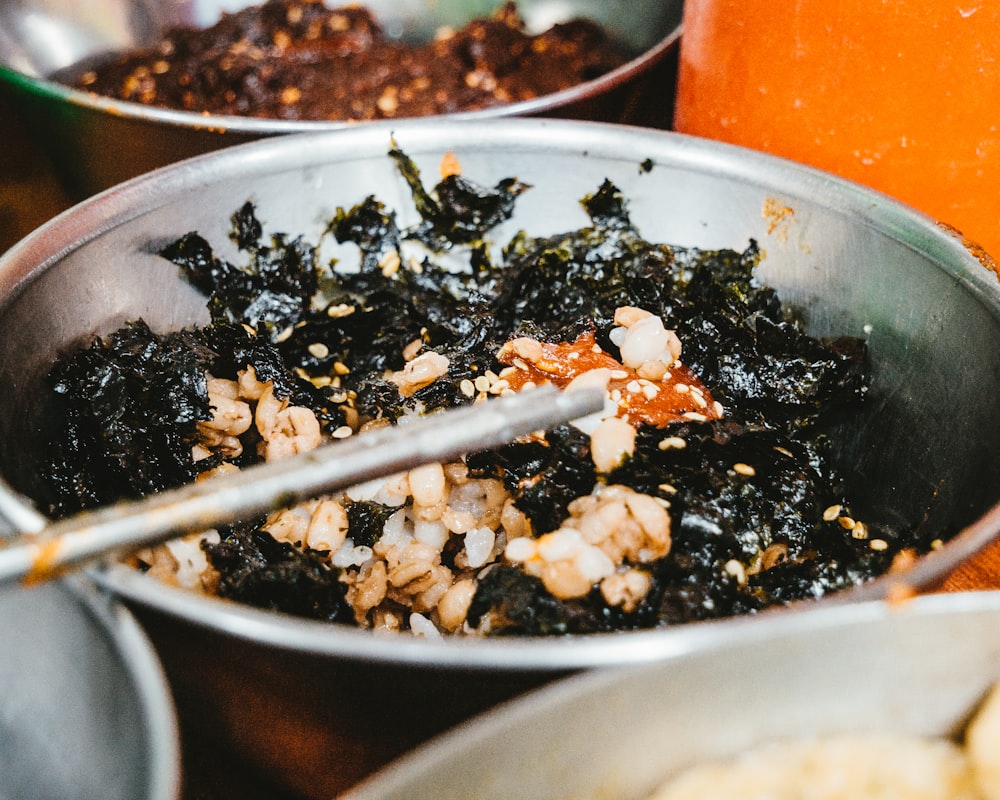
(135, 652)
(141, 195)
(553, 698)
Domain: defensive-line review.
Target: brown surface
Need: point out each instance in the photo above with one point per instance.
(29, 195)
(979, 573)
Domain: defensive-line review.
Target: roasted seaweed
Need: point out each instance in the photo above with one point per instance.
(126, 410)
(259, 571)
(744, 538)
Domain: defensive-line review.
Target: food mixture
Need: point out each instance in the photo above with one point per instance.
(702, 490)
(299, 60)
(877, 765)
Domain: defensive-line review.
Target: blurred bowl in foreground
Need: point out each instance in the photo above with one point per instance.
(96, 142)
(917, 669)
(316, 706)
(85, 713)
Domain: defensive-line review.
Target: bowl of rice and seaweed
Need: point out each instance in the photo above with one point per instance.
(799, 377)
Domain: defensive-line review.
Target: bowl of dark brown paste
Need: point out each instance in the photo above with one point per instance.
(135, 85)
(799, 380)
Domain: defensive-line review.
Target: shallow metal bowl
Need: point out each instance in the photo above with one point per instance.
(338, 701)
(85, 713)
(96, 142)
(917, 670)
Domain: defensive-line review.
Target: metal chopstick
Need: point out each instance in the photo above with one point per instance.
(440, 436)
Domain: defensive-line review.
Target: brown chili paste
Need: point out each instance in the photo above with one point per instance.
(298, 60)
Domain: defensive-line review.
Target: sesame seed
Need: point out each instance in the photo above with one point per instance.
(786, 452)
(318, 350)
(878, 544)
(694, 416)
(831, 513)
(717, 407)
(573, 356)
(650, 391)
(338, 22)
(682, 388)
(322, 380)
(634, 387)
(937, 544)
(340, 310)
(290, 95)
(859, 531)
(482, 383)
(744, 469)
(499, 386)
(340, 368)
(699, 400)
(619, 374)
(253, 331)
(668, 488)
(342, 432)
(411, 350)
(467, 387)
(388, 101)
(846, 523)
(520, 364)
(672, 443)
(735, 569)
(389, 264)
(616, 395)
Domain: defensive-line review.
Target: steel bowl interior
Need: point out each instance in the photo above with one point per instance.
(852, 261)
(85, 712)
(97, 142)
(919, 670)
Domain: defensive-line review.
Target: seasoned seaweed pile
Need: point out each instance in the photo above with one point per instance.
(757, 513)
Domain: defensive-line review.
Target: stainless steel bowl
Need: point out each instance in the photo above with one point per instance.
(338, 701)
(917, 670)
(97, 142)
(85, 713)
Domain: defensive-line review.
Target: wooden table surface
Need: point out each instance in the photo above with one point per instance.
(30, 195)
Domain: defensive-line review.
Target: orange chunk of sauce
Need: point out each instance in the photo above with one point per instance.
(654, 402)
(45, 562)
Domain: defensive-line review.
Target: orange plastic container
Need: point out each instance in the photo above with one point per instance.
(901, 95)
